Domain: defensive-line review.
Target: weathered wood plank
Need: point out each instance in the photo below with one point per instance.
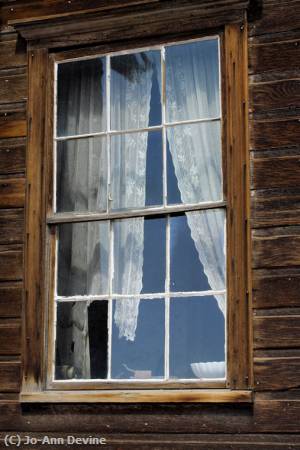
(13, 86)
(274, 288)
(12, 155)
(276, 373)
(13, 128)
(276, 331)
(12, 192)
(274, 133)
(274, 56)
(11, 262)
(275, 207)
(279, 96)
(269, 172)
(11, 226)
(12, 54)
(11, 299)
(276, 247)
(10, 376)
(10, 337)
(276, 17)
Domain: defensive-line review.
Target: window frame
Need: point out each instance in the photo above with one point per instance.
(235, 182)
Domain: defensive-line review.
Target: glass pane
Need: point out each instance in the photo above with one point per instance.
(82, 175)
(81, 340)
(194, 163)
(83, 254)
(192, 81)
(81, 97)
(136, 170)
(197, 337)
(139, 255)
(197, 251)
(138, 354)
(135, 90)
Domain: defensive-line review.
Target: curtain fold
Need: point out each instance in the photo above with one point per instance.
(132, 84)
(193, 91)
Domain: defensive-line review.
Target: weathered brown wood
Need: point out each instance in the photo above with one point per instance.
(11, 262)
(13, 86)
(276, 17)
(13, 128)
(10, 337)
(274, 56)
(238, 239)
(278, 96)
(11, 226)
(11, 299)
(274, 133)
(12, 192)
(9, 376)
(11, 53)
(275, 171)
(276, 247)
(153, 20)
(276, 331)
(12, 155)
(276, 373)
(275, 207)
(140, 396)
(32, 334)
(276, 288)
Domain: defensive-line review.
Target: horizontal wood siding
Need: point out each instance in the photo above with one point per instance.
(273, 420)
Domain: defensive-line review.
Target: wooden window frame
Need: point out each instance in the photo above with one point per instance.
(39, 248)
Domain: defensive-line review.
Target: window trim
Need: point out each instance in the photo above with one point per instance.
(234, 87)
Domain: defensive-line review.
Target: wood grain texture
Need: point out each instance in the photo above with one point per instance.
(276, 331)
(10, 376)
(275, 288)
(274, 133)
(134, 23)
(275, 207)
(276, 247)
(238, 239)
(13, 86)
(276, 17)
(276, 373)
(11, 299)
(274, 56)
(12, 192)
(12, 52)
(13, 128)
(11, 226)
(11, 262)
(277, 97)
(12, 155)
(275, 171)
(10, 337)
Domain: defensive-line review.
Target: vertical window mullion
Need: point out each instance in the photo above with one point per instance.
(167, 302)
(110, 264)
(110, 302)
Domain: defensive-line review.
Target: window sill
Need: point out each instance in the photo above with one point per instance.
(140, 396)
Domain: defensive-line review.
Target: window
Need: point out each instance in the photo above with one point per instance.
(140, 288)
(144, 293)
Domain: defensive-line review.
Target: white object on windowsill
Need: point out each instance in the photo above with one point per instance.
(208, 370)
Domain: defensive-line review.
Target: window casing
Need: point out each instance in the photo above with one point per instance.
(54, 219)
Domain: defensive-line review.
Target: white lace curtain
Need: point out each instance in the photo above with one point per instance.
(130, 108)
(193, 91)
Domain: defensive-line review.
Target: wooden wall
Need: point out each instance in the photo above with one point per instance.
(273, 420)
